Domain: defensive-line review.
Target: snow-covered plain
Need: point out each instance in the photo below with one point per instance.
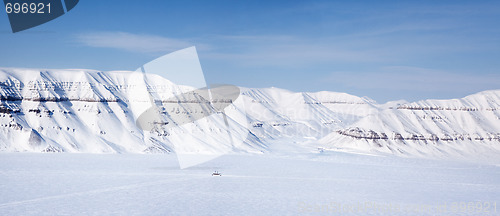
(323, 183)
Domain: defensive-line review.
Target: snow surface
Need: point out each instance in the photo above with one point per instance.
(293, 184)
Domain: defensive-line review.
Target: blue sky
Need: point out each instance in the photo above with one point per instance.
(386, 50)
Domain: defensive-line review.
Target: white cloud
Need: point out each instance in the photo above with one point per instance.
(132, 42)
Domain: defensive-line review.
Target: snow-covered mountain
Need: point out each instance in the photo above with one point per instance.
(92, 111)
(464, 127)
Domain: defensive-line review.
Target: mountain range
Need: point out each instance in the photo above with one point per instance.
(95, 112)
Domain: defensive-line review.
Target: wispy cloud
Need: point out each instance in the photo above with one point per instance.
(132, 42)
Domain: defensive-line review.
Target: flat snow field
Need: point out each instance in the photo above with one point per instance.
(328, 183)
